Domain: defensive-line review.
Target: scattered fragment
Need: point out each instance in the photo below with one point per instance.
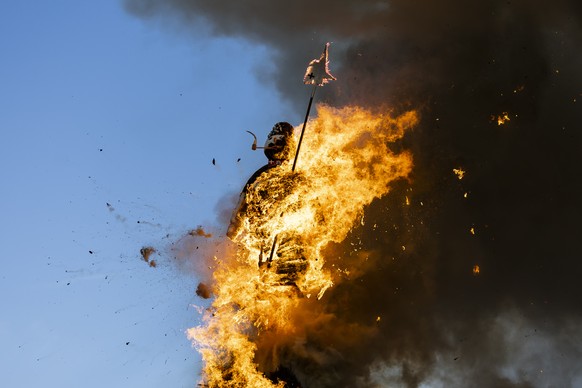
(476, 270)
(199, 232)
(91, 252)
(472, 230)
(203, 291)
(214, 161)
(459, 172)
(518, 89)
(127, 343)
(146, 252)
(153, 263)
(501, 119)
(238, 160)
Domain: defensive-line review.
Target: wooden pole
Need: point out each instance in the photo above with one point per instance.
(303, 129)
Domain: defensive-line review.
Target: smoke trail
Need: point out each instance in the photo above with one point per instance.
(416, 314)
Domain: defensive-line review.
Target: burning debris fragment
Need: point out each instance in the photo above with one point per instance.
(203, 291)
(199, 231)
(146, 252)
(459, 172)
(501, 119)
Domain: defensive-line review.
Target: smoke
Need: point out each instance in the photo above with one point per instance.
(412, 313)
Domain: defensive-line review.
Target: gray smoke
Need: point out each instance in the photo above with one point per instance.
(461, 64)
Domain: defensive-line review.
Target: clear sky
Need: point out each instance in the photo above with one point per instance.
(98, 107)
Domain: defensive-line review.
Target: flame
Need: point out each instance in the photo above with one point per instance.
(501, 119)
(476, 270)
(459, 172)
(346, 163)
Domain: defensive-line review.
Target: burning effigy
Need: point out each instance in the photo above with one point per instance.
(287, 214)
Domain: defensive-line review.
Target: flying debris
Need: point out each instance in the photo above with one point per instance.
(501, 119)
(204, 291)
(199, 231)
(146, 252)
(459, 172)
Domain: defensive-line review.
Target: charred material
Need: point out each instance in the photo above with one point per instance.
(260, 206)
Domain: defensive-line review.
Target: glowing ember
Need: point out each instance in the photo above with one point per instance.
(476, 270)
(472, 230)
(259, 302)
(519, 89)
(459, 172)
(501, 119)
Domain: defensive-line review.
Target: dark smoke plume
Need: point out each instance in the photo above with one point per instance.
(415, 314)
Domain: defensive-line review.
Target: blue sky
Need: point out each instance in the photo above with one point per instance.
(98, 107)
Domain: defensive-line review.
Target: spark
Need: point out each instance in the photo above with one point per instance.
(459, 172)
(501, 119)
(476, 270)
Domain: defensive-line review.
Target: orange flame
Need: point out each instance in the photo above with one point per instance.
(476, 270)
(501, 119)
(346, 163)
(459, 172)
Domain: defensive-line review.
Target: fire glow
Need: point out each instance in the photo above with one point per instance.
(346, 163)
(501, 119)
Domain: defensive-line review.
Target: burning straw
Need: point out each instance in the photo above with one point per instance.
(255, 314)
